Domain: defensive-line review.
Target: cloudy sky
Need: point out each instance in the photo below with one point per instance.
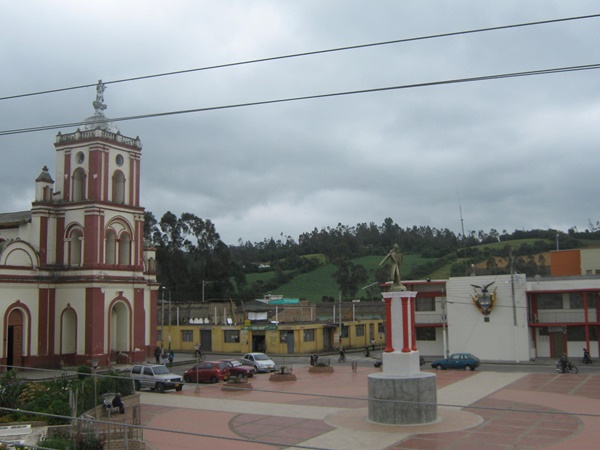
(517, 153)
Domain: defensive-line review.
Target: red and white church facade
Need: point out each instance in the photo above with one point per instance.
(77, 283)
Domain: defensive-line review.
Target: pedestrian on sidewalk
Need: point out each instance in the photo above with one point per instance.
(171, 358)
(373, 344)
(165, 358)
(157, 352)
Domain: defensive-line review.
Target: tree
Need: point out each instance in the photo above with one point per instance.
(349, 277)
(189, 251)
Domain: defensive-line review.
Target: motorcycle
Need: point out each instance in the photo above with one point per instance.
(569, 367)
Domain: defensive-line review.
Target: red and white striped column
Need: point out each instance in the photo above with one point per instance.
(400, 355)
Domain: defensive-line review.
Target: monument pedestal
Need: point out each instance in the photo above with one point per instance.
(402, 400)
(402, 394)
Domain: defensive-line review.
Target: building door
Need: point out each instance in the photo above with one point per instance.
(14, 344)
(259, 343)
(206, 340)
(290, 342)
(558, 344)
(327, 339)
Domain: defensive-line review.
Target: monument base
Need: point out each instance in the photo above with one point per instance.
(402, 400)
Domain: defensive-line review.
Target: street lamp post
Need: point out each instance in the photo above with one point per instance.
(94, 368)
(162, 318)
(169, 320)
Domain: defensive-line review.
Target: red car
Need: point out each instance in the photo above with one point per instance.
(210, 371)
(236, 368)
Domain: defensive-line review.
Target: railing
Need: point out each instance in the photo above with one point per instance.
(97, 133)
(566, 316)
(428, 318)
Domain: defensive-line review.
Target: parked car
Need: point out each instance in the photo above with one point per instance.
(260, 361)
(207, 371)
(236, 368)
(154, 376)
(457, 361)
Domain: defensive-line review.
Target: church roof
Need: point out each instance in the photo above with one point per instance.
(14, 218)
(45, 176)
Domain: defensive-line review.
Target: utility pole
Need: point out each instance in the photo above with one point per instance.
(169, 320)
(514, 302)
(162, 318)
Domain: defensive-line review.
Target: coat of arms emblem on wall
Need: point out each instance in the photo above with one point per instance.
(484, 300)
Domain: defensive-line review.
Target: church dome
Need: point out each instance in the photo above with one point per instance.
(99, 120)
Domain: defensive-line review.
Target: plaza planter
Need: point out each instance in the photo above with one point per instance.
(278, 376)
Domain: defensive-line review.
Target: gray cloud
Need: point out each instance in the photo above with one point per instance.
(519, 153)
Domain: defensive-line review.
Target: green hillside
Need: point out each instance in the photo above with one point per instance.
(314, 285)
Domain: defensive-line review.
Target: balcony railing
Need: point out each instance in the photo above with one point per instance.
(428, 318)
(565, 316)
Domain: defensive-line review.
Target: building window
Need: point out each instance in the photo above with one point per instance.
(425, 304)
(283, 336)
(576, 300)
(231, 336)
(124, 250)
(118, 193)
(78, 185)
(425, 334)
(75, 250)
(111, 244)
(360, 330)
(550, 301)
(577, 334)
(309, 335)
(187, 335)
(344, 331)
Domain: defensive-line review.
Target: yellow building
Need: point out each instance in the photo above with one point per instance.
(302, 338)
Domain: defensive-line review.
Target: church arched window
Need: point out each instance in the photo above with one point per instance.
(111, 245)
(118, 187)
(75, 247)
(78, 185)
(124, 250)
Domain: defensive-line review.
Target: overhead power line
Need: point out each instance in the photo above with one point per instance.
(309, 53)
(313, 97)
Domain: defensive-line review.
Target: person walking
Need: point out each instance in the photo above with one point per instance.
(157, 353)
(171, 358)
(373, 344)
(342, 354)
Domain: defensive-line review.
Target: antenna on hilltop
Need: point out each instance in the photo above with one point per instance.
(462, 225)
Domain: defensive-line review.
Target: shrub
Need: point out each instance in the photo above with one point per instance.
(84, 371)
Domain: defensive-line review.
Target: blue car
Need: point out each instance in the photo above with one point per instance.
(457, 361)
